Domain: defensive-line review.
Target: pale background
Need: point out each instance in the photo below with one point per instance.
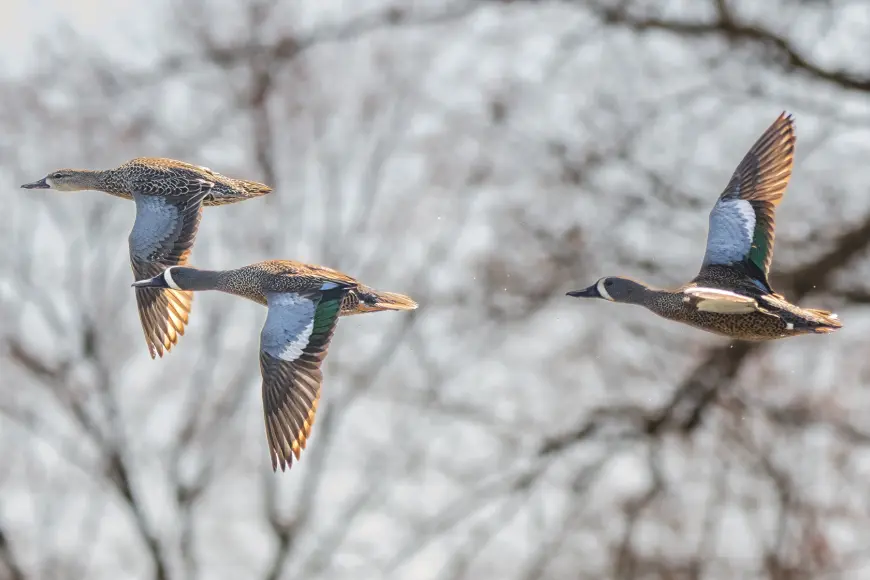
(484, 157)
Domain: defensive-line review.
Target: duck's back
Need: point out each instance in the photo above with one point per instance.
(777, 316)
(172, 174)
(256, 280)
(730, 278)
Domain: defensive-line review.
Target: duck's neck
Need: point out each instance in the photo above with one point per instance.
(644, 296)
(89, 179)
(195, 279)
(660, 302)
(105, 180)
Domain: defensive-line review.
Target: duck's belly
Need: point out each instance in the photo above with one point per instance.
(755, 326)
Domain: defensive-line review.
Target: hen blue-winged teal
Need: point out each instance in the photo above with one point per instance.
(731, 295)
(169, 196)
(304, 303)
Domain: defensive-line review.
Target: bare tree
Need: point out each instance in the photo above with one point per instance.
(483, 157)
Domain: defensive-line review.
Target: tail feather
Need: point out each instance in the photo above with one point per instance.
(825, 321)
(393, 301)
(253, 188)
(229, 190)
(375, 301)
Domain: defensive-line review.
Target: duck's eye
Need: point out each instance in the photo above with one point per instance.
(56, 175)
(608, 283)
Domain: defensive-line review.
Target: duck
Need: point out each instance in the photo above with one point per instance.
(731, 295)
(304, 303)
(169, 196)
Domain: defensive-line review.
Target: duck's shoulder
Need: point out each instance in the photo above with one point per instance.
(722, 277)
(297, 276)
(157, 167)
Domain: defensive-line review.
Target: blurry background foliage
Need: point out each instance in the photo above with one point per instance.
(483, 157)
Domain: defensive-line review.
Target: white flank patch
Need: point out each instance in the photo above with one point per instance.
(722, 301)
(789, 326)
(169, 281)
(702, 292)
(600, 287)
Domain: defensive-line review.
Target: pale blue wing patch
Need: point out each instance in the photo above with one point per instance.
(156, 222)
(732, 227)
(288, 325)
(719, 301)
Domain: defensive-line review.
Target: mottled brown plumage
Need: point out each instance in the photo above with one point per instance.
(304, 302)
(767, 315)
(169, 196)
(152, 176)
(253, 281)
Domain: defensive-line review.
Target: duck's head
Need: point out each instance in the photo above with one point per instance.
(164, 280)
(64, 180)
(183, 278)
(614, 289)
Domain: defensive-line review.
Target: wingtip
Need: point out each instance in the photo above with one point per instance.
(278, 460)
(787, 118)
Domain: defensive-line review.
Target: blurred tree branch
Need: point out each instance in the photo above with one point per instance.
(293, 46)
(9, 567)
(779, 50)
(456, 428)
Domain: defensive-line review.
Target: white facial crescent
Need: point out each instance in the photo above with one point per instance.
(602, 291)
(169, 281)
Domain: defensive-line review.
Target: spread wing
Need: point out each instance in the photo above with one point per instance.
(742, 221)
(162, 236)
(293, 344)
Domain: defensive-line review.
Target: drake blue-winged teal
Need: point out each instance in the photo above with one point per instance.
(304, 303)
(169, 196)
(731, 295)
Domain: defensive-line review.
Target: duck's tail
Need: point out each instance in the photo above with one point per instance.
(252, 188)
(371, 300)
(228, 190)
(823, 321)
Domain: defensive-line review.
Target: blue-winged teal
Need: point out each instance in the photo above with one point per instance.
(304, 303)
(731, 295)
(169, 196)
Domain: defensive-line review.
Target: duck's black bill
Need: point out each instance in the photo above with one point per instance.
(158, 281)
(41, 184)
(591, 292)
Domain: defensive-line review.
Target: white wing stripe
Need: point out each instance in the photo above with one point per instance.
(293, 349)
(288, 326)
